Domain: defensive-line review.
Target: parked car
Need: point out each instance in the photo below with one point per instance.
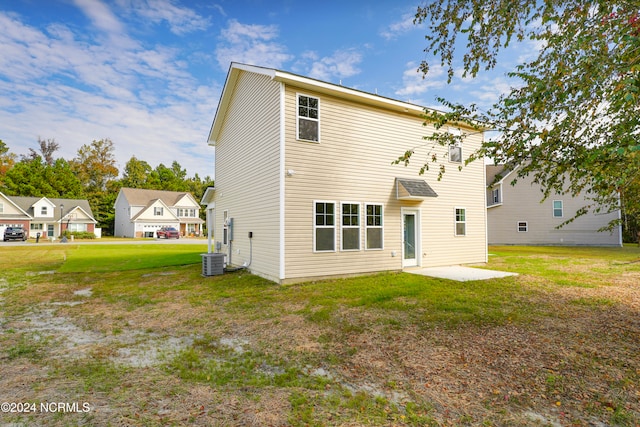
(168, 233)
(14, 233)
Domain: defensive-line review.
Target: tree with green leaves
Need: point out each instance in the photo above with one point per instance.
(572, 117)
(95, 165)
(7, 159)
(136, 173)
(35, 177)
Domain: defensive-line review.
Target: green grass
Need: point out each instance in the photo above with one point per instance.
(114, 257)
(577, 343)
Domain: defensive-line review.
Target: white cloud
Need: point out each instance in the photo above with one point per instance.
(251, 44)
(342, 64)
(75, 86)
(100, 15)
(402, 26)
(181, 20)
(415, 83)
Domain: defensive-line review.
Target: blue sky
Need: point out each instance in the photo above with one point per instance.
(148, 73)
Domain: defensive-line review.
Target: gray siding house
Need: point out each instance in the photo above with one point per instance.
(517, 216)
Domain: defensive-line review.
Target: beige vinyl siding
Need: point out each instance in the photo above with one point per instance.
(522, 203)
(352, 163)
(247, 181)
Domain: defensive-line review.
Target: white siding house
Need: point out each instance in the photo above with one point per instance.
(305, 186)
(141, 212)
(516, 215)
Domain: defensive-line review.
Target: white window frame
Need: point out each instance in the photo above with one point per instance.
(77, 227)
(350, 227)
(367, 227)
(158, 211)
(44, 211)
(1, 207)
(456, 221)
(522, 226)
(316, 227)
(299, 117)
(561, 208)
(495, 195)
(456, 146)
(36, 226)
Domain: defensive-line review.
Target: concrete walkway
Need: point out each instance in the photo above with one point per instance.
(460, 273)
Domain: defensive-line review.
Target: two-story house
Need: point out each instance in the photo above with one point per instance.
(517, 215)
(46, 215)
(305, 185)
(140, 212)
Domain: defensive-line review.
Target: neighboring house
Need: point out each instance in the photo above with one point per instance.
(141, 212)
(305, 186)
(517, 216)
(46, 215)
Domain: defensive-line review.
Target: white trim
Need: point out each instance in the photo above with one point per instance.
(367, 227)
(298, 117)
(553, 208)
(334, 226)
(418, 237)
(456, 222)
(343, 227)
(282, 240)
(526, 226)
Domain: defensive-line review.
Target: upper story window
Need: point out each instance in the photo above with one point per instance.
(557, 209)
(455, 148)
(43, 210)
(1, 207)
(496, 195)
(183, 212)
(158, 211)
(455, 153)
(308, 118)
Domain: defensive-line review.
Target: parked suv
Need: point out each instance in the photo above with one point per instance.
(14, 233)
(168, 233)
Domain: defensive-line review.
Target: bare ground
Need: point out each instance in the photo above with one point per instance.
(577, 367)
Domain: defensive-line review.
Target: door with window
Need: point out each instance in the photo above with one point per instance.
(410, 238)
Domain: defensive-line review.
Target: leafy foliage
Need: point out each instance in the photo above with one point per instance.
(92, 174)
(572, 119)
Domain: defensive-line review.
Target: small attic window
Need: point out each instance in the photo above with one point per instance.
(43, 210)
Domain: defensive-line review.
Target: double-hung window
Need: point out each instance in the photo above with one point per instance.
(308, 118)
(350, 226)
(557, 209)
(43, 211)
(496, 195)
(324, 233)
(455, 148)
(461, 221)
(373, 226)
(455, 153)
(523, 227)
(158, 211)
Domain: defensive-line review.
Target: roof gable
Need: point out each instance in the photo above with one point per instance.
(143, 196)
(149, 211)
(12, 207)
(304, 83)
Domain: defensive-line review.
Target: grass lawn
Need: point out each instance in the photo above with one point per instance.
(136, 333)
